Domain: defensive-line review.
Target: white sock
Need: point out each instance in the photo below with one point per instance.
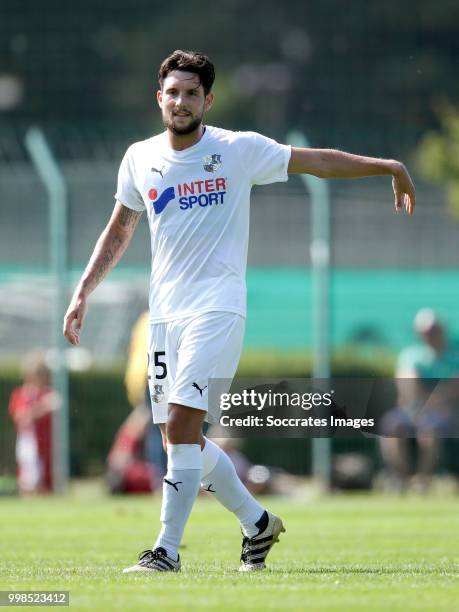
(180, 487)
(219, 476)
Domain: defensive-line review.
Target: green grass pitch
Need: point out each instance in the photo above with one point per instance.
(339, 553)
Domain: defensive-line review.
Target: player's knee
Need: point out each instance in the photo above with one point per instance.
(174, 426)
(183, 425)
(177, 433)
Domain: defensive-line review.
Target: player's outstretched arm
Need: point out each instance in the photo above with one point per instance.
(108, 251)
(329, 163)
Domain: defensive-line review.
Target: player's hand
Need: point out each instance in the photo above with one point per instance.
(74, 318)
(404, 192)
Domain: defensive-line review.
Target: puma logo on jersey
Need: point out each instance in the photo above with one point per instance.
(201, 391)
(159, 171)
(173, 484)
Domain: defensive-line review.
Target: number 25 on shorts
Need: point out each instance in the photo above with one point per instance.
(158, 360)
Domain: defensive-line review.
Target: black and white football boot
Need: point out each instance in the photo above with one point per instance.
(256, 549)
(154, 561)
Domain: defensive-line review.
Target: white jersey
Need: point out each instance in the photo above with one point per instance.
(197, 201)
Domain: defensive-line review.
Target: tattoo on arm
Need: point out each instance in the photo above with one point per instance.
(107, 258)
(110, 247)
(128, 218)
(107, 253)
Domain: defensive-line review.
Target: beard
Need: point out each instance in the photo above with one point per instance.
(182, 131)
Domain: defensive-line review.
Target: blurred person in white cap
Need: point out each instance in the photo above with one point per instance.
(428, 398)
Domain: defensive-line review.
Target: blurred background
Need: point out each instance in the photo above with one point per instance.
(368, 77)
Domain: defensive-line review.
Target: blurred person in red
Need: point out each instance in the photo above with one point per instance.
(31, 408)
(129, 470)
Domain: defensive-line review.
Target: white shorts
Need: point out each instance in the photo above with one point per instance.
(184, 354)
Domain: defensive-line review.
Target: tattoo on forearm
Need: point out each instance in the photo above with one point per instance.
(110, 247)
(107, 258)
(107, 252)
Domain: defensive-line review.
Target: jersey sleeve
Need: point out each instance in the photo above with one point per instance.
(127, 192)
(264, 159)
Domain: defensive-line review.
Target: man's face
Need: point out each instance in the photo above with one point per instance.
(435, 337)
(183, 102)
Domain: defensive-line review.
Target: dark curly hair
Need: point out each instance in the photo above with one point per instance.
(189, 61)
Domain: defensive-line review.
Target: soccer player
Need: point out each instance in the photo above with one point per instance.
(194, 181)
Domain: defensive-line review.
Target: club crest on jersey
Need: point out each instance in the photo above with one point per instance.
(212, 163)
(157, 394)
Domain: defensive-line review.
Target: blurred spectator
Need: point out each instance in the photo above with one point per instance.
(31, 408)
(428, 393)
(137, 460)
(129, 471)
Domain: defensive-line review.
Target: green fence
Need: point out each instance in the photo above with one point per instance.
(372, 308)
